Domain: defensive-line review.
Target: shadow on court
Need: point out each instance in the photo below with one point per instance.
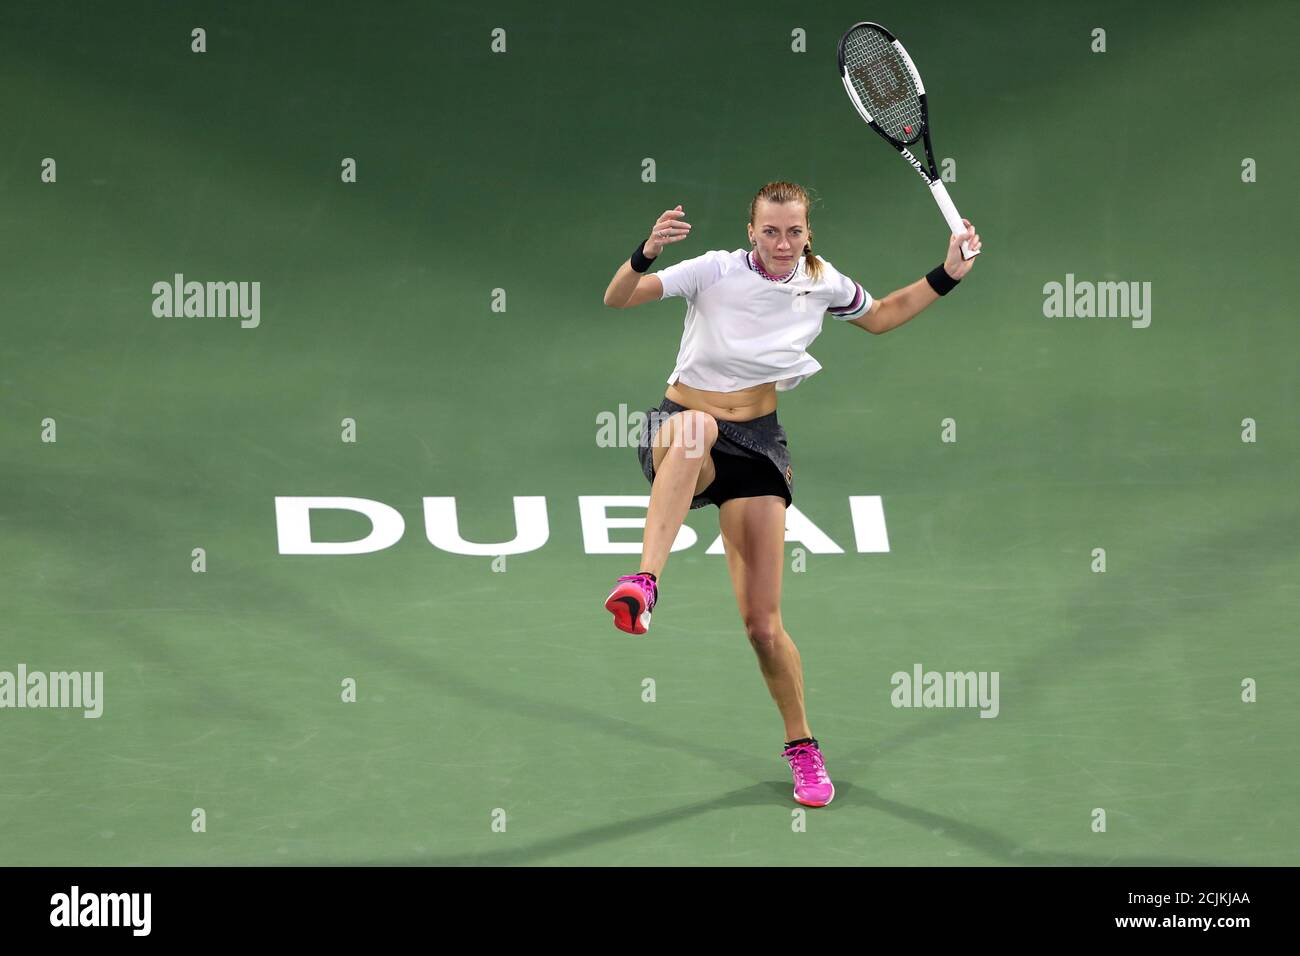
(1093, 644)
(982, 839)
(766, 794)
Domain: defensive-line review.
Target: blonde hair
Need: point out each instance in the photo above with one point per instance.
(781, 193)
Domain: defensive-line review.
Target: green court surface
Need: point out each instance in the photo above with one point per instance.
(505, 693)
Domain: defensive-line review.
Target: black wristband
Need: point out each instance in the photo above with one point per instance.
(640, 262)
(940, 281)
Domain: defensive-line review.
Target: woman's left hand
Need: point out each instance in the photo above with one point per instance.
(955, 265)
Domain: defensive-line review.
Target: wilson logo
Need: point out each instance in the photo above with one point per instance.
(916, 164)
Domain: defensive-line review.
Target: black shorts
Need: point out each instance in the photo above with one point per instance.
(751, 458)
(744, 476)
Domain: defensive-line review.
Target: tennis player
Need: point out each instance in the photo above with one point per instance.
(751, 315)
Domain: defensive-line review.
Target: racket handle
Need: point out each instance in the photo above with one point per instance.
(950, 214)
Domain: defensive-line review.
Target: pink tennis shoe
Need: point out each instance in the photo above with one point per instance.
(631, 602)
(812, 785)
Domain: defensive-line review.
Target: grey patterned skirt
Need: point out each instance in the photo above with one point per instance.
(761, 440)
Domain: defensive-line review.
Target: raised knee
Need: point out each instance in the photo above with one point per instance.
(763, 630)
(697, 432)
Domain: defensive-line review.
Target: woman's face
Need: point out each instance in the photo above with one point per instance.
(778, 233)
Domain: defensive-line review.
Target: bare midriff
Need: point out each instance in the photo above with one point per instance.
(739, 406)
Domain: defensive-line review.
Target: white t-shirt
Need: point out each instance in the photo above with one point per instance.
(744, 327)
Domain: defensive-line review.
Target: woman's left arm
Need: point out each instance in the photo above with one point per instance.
(908, 302)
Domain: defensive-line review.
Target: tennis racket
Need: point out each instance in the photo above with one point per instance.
(887, 92)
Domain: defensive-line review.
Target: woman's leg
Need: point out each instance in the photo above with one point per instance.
(683, 461)
(753, 531)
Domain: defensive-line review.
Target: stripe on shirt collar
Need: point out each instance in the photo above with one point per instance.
(756, 266)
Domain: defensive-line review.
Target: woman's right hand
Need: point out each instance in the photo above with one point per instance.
(670, 227)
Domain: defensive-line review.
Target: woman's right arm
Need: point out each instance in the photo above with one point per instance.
(629, 287)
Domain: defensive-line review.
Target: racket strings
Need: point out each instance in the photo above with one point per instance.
(883, 83)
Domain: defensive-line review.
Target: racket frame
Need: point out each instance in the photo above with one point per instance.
(927, 171)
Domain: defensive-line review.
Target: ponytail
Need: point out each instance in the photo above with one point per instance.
(812, 265)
